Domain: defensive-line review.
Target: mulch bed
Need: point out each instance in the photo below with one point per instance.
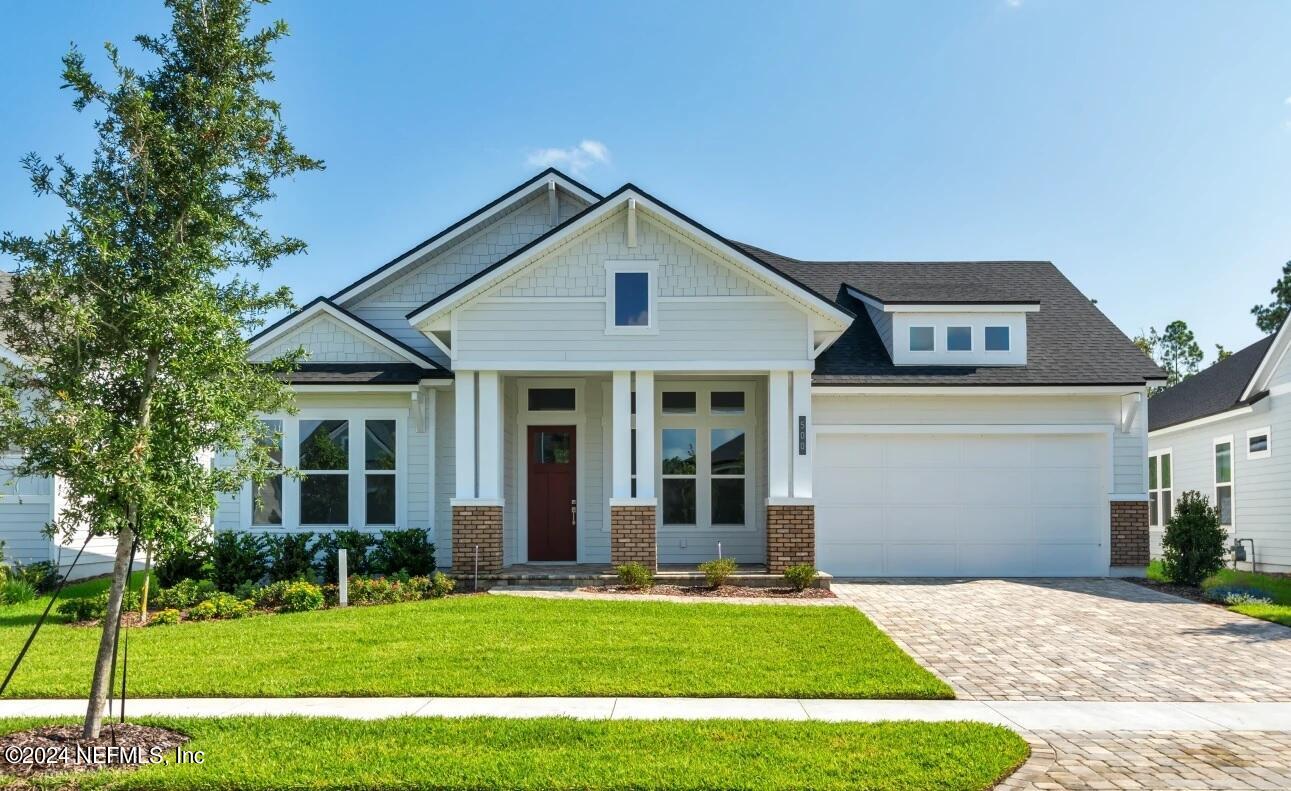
(722, 592)
(1182, 591)
(54, 749)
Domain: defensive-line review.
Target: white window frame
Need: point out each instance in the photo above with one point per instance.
(1008, 336)
(282, 487)
(1156, 495)
(651, 270)
(395, 473)
(704, 421)
(1268, 443)
(1232, 478)
(950, 327)
(909, 341)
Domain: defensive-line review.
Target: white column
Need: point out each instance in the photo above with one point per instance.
(490, 436)
(803, 443)
(432, 398)
(778, 428)
(464, 433)
(621, 437)
(645, 434)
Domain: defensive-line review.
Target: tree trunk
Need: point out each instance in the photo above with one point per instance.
(103, 663)
(147, 576)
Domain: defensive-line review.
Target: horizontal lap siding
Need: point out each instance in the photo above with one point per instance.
(20, 529)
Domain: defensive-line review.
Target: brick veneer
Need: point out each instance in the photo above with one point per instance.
(1130, 533)
(632, 535)
(477, 525)
(791, 536)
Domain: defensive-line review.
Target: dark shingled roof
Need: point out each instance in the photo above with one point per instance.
(362, 373)
(1211, 391)
(1069, 341)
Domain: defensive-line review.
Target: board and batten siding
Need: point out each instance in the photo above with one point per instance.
(1261, 487)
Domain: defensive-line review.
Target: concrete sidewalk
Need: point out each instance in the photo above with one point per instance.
(1023, 715)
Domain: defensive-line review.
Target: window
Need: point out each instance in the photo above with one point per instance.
(959, 339)
(1224, 480)
(324, 465)
(630, 297)
(997, 339)
(679, 468)
(921, 339)
(727, 476)
(679, 403)
(551, 399)
(1160, 489)
(267, 508)
(705, 432)
(379, 462)
(1257, 443)
(723, 402)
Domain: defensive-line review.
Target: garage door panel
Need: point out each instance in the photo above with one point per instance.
(922, 452)
(1059, 522)
(1072, 486)
(984, 560)
(859, 451)
(1058, 560)
(860, 559)
(919, 523)
(997, 451)
(920, 560)
(910, 486)
(1063, 450)
(1003, 524)
(987, 486)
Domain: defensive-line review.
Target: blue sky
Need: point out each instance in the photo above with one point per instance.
(1143, 147)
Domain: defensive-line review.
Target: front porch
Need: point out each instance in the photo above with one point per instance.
(582, 575)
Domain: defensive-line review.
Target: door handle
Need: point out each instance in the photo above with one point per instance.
(573, 512)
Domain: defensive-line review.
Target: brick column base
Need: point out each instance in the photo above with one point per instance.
(632, 535)
(791, 536)
(1130, 546)
(477, 526)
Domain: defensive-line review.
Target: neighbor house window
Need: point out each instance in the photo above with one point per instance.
(1257, 443)
(379, 454)
(959, 339)
(997, 339)
(267, 509)
(1160, 489)
(679, 467)
(22, 488)
(921, 339)
(324, 466)
(630, 297)
(1224, 480)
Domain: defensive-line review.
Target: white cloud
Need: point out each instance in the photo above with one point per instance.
(575, 159)
(1013, 3)
(1287, 101)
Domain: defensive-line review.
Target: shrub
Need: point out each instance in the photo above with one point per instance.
(358, 546)
(404, 552)
(380, 591)
(634, 575)
(167, 617)
(1231, 595)
(237, 558)
(42, 576)
(96, 607)
(220, 606)
(185, 594)
(290, 556)
(302, 596)
(179, 563)
(17, 591)
(1193, 544)
(801, 576)
(716, 572)
(271, 596)
(441, 585)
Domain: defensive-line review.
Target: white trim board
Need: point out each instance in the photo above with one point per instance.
(1203, 421)
(1272, 358)
(975, 390)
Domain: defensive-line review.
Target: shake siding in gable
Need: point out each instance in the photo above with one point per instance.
(327, 340)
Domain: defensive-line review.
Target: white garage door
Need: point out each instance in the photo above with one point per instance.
(970, 505)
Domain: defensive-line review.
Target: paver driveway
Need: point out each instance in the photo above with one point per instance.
(1094, 639)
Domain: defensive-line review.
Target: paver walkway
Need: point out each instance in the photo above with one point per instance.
(1089, 640)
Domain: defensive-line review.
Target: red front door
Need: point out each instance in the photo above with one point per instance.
(553, 488)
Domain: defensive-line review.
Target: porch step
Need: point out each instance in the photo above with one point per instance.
(578, 578)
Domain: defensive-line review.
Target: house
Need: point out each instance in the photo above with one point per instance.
(1216, 432)
(567, 377)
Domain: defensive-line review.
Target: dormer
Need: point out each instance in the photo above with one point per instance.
(947, 332)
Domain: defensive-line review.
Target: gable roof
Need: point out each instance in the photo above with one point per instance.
(503, 202)
(1069, 341)
(770, 275)
(1216, 389)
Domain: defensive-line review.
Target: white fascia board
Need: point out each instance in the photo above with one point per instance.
(1204, 421)
(465, 228)
(945, 307)
(325, 308)
(751, 267)
(1272, 358)
(977, 390)
(661, 366)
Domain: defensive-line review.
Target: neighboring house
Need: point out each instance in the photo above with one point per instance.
(1217, 432)
(29, 503)
(568, 377)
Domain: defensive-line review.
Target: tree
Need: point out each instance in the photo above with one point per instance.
(1176, 350)
(1270, 317)
(131, 317)
(1221, 353)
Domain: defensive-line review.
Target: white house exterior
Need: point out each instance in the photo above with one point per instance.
(1219, 432)
(565, 377)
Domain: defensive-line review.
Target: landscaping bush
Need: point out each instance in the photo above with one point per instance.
(237, 558)
(168, 617)
(404, 552)
(179, 563)
(801, 576)
(290, 556)
(96, 607)
(358, 546)
(635, 575)
(441, 585)
(716, 572)
(1193, 544)
(17, 591)
(271, 596)
(302, 596)
(1231, 595)
(184, 594)
(42, 576)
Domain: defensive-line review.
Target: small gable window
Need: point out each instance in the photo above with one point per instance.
(630, 297)
(1257, 444)
(997, 339)
(959, 339)
(921, 339)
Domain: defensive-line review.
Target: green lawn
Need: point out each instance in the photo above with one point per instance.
(490, 646)
(408, 753)
(1277, 588)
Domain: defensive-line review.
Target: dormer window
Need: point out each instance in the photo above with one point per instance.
(997, 339)
(921, 339)
(630, 298)
(959, 339)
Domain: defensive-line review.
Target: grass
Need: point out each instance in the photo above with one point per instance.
(489, 646)
(1277, 588)
(249, 753)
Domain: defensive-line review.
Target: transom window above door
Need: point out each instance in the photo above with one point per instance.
(631, 299)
